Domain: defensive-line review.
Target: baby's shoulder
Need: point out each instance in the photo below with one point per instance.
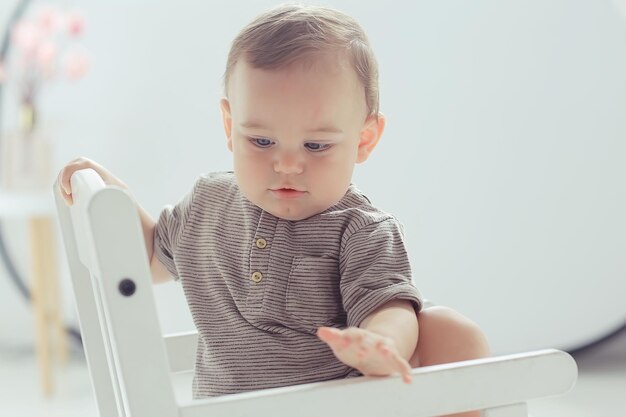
(214, 184)
(213, 189)
(357, 212)
(211, 181)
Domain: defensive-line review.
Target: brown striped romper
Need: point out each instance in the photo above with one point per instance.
(259, 286)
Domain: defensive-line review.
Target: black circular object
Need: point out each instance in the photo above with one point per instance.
(127, 287)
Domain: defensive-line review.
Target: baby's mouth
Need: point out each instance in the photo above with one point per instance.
(286, 192)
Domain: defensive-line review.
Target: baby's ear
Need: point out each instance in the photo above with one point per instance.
(370, 135)
(227, 119)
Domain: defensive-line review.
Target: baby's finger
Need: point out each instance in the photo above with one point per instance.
(66, 187)
(65, 190)
(383, 348)
(362, 352)
(68, 198)
(329, 335)
(346, 340)
(64, 180)
(337, 339)
(403, 368)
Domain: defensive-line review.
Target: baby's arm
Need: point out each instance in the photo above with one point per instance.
(382, 345)
(396, 320)
(159, 272)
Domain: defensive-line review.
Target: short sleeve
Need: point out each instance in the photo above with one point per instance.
(375, 269)
(169, 229)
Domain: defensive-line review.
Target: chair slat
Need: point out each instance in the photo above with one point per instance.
(181, 350)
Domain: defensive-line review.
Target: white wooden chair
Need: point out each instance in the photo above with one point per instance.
(131, 363)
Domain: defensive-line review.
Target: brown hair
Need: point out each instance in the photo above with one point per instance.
(291, 32)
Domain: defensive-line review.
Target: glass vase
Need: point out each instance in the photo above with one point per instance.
(26, 155)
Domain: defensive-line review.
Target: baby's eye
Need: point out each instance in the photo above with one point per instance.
(261, 142)
(317, 147)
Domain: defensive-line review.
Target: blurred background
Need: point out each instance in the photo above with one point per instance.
(503, 157)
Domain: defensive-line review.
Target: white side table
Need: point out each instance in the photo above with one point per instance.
(37, 207)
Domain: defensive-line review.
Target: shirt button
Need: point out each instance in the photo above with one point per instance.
(257, 276)
(261, 243)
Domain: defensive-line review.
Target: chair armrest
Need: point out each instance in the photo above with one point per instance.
(435, 390)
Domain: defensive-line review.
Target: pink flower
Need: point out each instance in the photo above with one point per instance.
(40, 52)
(76, 65)
(75, 23)
(26, 36)
(46, 53)
(47, 19)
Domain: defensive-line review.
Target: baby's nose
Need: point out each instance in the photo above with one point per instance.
(288, 163)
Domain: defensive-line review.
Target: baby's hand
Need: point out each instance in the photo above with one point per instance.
(65, 187)
(368, 352)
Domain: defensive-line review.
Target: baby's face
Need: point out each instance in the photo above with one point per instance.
(296, 133)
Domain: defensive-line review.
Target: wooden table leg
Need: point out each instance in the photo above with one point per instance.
(39, 304)
(45, 296)
(61, 349)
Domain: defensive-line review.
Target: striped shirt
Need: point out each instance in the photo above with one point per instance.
(259, 286)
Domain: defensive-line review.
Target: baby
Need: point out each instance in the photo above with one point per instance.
(291, 274)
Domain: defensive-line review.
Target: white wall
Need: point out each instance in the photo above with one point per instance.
(503, 154)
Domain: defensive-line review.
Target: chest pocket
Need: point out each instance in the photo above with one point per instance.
(313, 296)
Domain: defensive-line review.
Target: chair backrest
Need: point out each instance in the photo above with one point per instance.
(112, 285)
